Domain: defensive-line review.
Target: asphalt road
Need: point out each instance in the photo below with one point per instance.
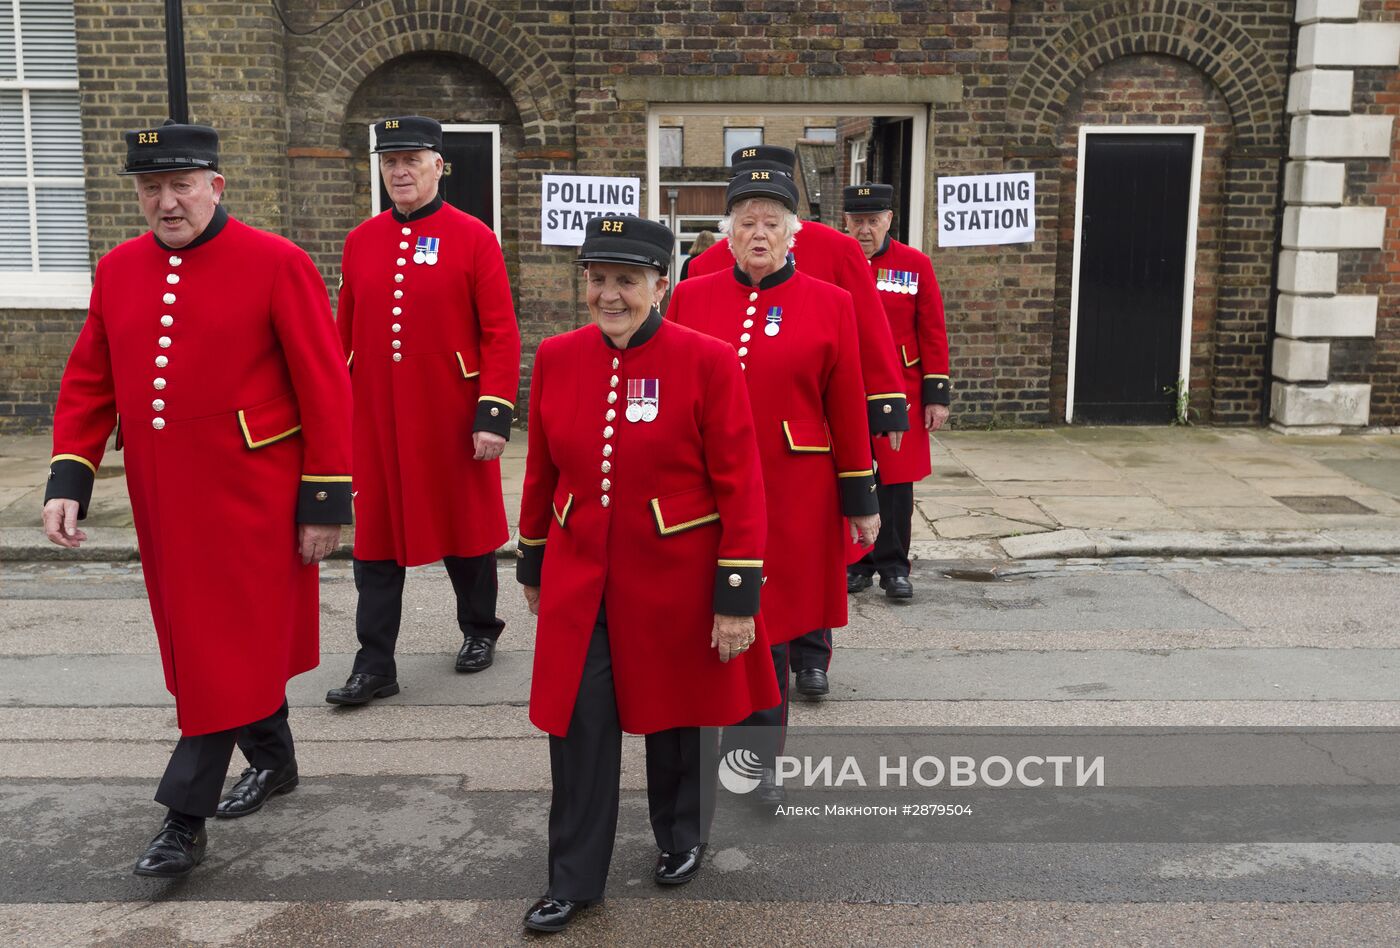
(420, 820)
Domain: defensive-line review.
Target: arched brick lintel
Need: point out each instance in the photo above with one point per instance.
(367, 39)
(1189, 31)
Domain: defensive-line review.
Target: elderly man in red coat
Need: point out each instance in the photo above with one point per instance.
(213, 344)
(912, 302)
(429, 333)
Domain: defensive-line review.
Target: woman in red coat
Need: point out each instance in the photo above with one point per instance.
(797, 345)
(641, 534)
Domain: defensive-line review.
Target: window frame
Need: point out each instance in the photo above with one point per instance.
(35, 288)
(724, 139)
(860, 160)
(680, 150)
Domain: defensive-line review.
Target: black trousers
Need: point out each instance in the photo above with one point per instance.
(890, 556)
(812, 650)
(379, 584)
(194, 778)
(765, 732)
(586, 767)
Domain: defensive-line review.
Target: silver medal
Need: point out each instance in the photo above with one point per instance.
(634, 412)
(648, 412)
(418, 256)
(771, 329)
(432, 259)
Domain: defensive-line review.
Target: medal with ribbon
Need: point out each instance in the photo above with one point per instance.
(643, 399)
(774, 320)
(426, 251)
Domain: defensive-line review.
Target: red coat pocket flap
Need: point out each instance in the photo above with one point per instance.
(270, 421)
(563, 505)
(807, 437)
(905, 349)
(684, 510)
(468, 366)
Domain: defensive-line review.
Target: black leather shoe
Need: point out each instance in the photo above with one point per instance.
(553, 915)
(678, 868)
(898, 587)
(856, 582)
(362, 689)
(477, 654)
(769, 791)
(812, 682)
(175, 851)
(253, 789)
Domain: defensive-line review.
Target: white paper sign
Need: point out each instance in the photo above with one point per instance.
(981, 209)
(569, 201)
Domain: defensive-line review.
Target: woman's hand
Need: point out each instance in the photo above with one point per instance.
(865, 529)
(316, 541)
(532, 599)
(732, 635)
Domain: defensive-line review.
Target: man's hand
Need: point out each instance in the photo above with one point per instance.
(935, 416)
(488, 446)
(316, 541)
(61, 523)
(896, 439)
(732, 635)
(865, 529)
(532, 599)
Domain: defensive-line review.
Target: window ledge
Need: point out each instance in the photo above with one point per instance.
(67, 296)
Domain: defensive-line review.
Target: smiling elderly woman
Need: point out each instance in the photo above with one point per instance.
(641, 535)
(797, 345)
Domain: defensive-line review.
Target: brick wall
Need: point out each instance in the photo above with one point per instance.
(293, 106)
(34, 345)
(1149, 91)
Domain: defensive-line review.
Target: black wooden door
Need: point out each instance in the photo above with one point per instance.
(468, 175)
(1132, 268)
(893, 160)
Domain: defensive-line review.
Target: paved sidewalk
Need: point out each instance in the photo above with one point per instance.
(1054, 492)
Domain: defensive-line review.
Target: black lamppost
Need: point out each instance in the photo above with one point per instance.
(175, 62)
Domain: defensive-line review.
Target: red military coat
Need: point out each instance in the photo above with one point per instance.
(827, 254)
(434, 355)
(662, 520)
(914, 306)
(221, 360)
(809, 415)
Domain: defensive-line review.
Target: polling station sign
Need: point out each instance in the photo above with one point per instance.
(570, 201)
(981, 209)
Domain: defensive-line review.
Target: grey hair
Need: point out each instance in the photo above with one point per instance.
(791, 222)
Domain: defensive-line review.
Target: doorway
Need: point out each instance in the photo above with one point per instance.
(1134, 259)
(471, 173)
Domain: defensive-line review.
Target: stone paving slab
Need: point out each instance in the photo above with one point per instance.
(659, 920)
(62, 727)
(986, 485)
(1248, 674)
(380, 837)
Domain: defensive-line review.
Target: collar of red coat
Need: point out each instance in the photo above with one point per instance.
(883, 247)
(429, 208)
(771, 280)
(216, 224)
(643, 334)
